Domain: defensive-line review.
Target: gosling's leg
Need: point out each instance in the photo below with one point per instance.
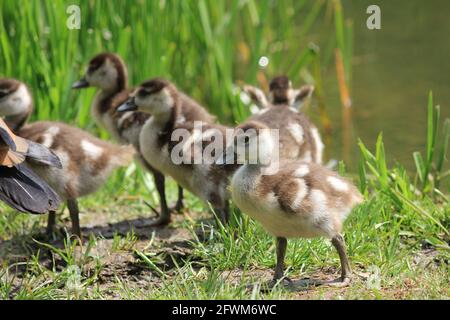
(339, 244)
(72, 204)
(179, 204)
(279, 268)
(225, 216)
(51, 222)
(164, 217)
(281, 253)
(223, 213)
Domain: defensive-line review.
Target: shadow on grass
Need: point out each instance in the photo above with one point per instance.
(175, 246)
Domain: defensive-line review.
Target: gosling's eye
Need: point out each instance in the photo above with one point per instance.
(91, 69)
(143, 93)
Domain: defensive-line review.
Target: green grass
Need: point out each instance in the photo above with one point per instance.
(398, 240)
(185, 41)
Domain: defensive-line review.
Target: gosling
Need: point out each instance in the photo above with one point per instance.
(108, 73)
(87, 162)
(299, 138)
(171, 116)
(291, 199)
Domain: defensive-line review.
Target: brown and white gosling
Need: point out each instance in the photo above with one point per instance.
(299, 138)
(166, 104)
(108, 73)
(297, 200)
(86, 160)
(20, 187)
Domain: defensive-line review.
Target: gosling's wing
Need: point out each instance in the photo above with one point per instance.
(24, 191)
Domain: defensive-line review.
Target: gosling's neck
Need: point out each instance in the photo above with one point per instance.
(167, 118)
(103, 102)
(114, 89)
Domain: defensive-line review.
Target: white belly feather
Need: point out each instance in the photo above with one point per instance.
(267, 211)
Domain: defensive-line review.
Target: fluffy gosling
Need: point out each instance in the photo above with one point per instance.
(108, 73)
(164, 102)
(300, 200)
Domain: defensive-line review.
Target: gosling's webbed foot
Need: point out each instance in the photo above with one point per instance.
(338, 283)
(178, 207)
(50, 232)
(48, 235)
(160, 221)
(283, 282)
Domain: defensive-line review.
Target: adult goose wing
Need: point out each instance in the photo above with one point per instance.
(16, 149)
(20, 187)
(40, 154)
(23, 190)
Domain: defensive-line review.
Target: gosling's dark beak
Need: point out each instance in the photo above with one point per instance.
(128, 105)
(82, 83)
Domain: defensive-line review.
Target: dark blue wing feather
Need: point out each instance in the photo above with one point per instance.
(7, 139)
(24, 191)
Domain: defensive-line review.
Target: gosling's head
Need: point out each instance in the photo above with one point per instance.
(15, 98)
(281, 92)
(252, 143)
(156, 96)
(106, 71)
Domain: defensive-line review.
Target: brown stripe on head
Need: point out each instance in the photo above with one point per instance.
(155, 85)
(8, 86)
(252, 124)
(100, 59)
(279, 89)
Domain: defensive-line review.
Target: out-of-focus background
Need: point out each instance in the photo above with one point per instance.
(209, 47)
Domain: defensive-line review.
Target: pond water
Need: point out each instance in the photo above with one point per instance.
(393, 70)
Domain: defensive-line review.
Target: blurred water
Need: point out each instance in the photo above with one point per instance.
(393, 70)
